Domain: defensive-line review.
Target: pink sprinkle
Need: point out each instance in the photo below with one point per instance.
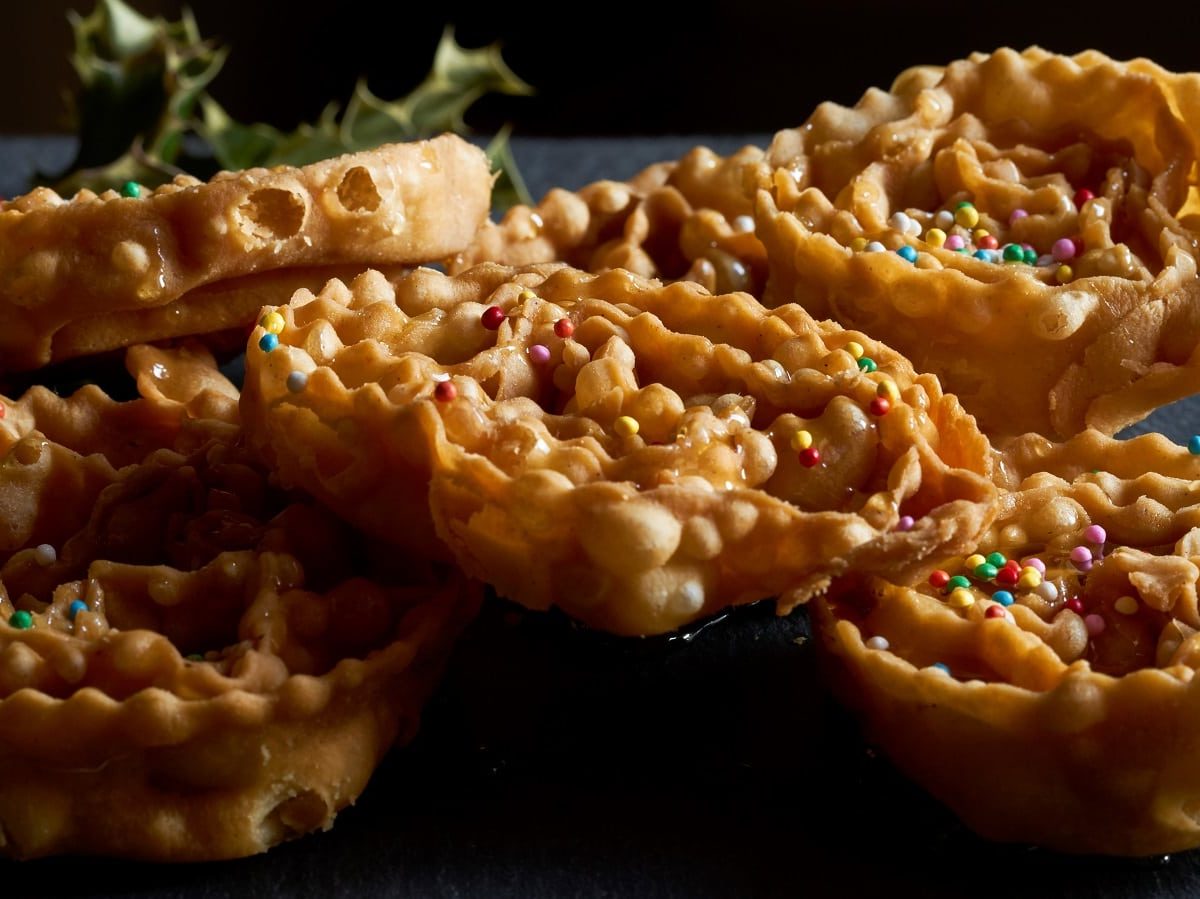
(1063, 249)
(1034, 562)
(539, 354)
(1017, 215)
(1045, 259)
(1094, 534)
(1081, 554)
(905, 523)
(1095, 624)
(1083, 567)
(954, 242)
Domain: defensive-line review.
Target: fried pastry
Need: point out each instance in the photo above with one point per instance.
(690, 219)
(640, 455)
(1045, 687)
(95, 272)
(193, 664)
(1020, 224)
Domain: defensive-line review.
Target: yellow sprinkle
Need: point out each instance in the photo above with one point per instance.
(889, 391)
(980, 234)
(974, 561)
(935, 237)
(1126, 605)
(1064, 274)
(273, 322)
(527, 295)
(625, 426)
(858, 244)
(1030, 578)
(801, 440)
(967, 216)
(960, 598)
(855, 349)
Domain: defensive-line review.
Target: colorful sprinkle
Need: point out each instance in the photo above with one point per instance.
(811, 457)
(975, 560)
(855, 349)
(801, 440)
(986, 571)
(1094, 534)
(268, 342)
(944, 220)
(3, 410)
(297, 381)
(1016, 216)
(955, 242)
(1126, 605)
(539, 354)
(21, 620)
(1030, 256)
(273, 322)
(880, 406)
(905, 523)
(983, 255)
(1047, 591)
(961, 598)
(907, 253)
(1003, 597)
(445, 391)
(626, 426)
(1013, 253)
(867, 364)
(889, 391)
(1064, 273)
(1007, 576)
(45, 554)
(967, 216)
(1034, 562)
(874, 247)
(1082, 196)
(879, 643)
(1030, 579)
(995, 612)
(1095, 625)
(858, 244)
(526, 295)
(958, 581)
(997, 558)
(939, 579)
(131, 189)
(940, 668)
(76, 606)
(935, 237)
(988, 242)
(491, 317)
(564, 328)
(1080, 554)
(1193, 444)
(1075, 604)
(1063, 249)
(900, 222)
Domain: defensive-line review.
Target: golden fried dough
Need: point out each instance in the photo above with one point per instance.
(96, 272)
(640, 455)
(193, 664)
(690, 219)
(1020, 224)
(1050, 699)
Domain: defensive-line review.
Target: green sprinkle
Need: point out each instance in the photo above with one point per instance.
(986, 571)
(867, 364)
(963, 204)
(21, 620)
(957, 581)
(1030, 256)
(194, 657)
(131, 189)
(997, 559)
(1014, 253)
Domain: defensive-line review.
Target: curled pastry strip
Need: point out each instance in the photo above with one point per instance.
(205, 666)
(97, 272)
(690, 219)
(1047, 228)
(637, 454)
(1070, 641)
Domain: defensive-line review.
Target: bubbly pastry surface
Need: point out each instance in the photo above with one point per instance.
(1069, 639)
(687, 219)
(96, 272)
(640, 455)
(1023, 225)
(193, 664)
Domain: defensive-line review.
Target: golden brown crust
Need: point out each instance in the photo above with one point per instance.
(1100, 346)
(1065, 718)
(104, 261)
(690, 219)
(533, 483)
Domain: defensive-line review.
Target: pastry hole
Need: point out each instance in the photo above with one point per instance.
(295, 816)
(271, 214)
(357, 191)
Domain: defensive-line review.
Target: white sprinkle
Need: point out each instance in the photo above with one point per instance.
(1046, 259)
(689, 597)
(45, 554)
(1047, 591)
(914, 228)
(879, 643)
(900, 221)
(743, 224)
(944, 220)
(874, 247)
(297, 381)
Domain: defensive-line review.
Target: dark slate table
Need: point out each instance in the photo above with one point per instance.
(559, 762)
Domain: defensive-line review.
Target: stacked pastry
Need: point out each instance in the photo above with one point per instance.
(804, 374)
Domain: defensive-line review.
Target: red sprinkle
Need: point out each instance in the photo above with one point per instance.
(988, 242)
(939, 579)
(1082, 196)
(1007, 576)
(3, 410)
(810, 457)
(995, 611)
(492, 317)
(1078, 241)
(563, 328)
(445, 391)
(1075, 605)
(880, 406)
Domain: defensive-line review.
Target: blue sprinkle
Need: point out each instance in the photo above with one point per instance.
(1003, 597)
(268, 342)
(982, 254)
(1194, 445)
(907, 253)
(941, 667)
(75, 608)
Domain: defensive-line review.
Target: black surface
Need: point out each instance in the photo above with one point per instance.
(559, 762)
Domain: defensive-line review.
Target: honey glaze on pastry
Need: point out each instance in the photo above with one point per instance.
(640, 455)
(1043, 686)
(1020, 224)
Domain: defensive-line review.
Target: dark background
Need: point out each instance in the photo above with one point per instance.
(618, 67)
